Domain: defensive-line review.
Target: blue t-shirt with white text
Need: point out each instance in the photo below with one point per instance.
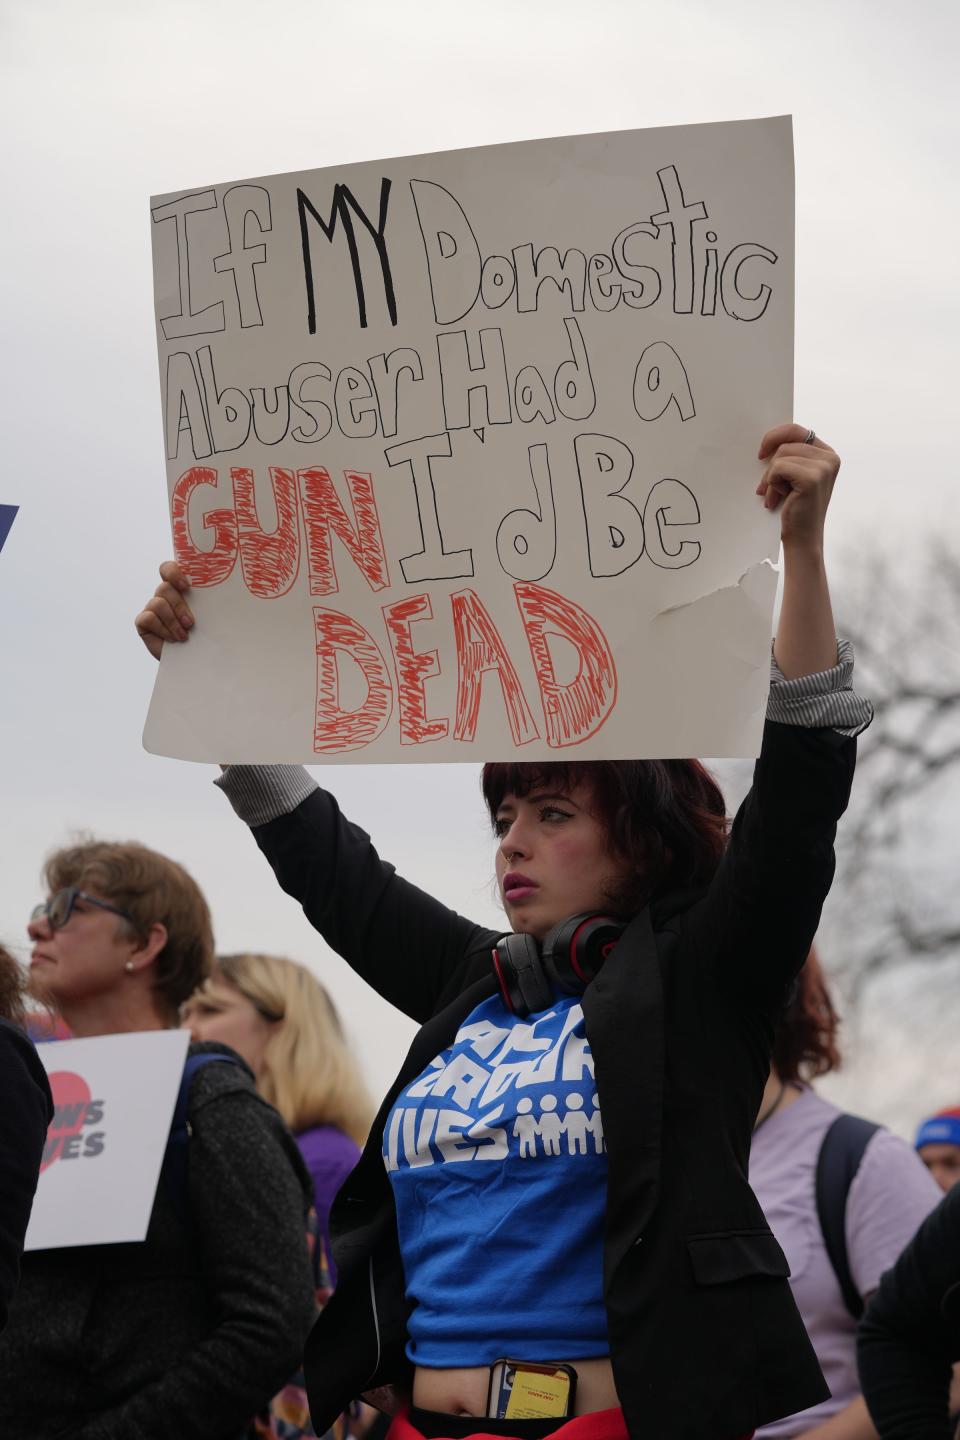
(499, 1171)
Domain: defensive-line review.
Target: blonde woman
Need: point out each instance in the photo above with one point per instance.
(280, 1019)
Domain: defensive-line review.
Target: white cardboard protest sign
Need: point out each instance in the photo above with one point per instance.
(462, 450)
(114, 1097)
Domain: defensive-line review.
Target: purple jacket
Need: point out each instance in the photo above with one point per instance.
(329, 1156)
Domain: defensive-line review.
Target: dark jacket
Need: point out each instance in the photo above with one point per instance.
(190, 1332)
(910, 1336)
(705, 1337)
(25, 1113)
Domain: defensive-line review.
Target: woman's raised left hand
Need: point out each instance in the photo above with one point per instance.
(799, 479)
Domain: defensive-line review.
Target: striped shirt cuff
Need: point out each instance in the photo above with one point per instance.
(260, 793)
(825, 701)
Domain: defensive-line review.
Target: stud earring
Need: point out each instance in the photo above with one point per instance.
(129, 967)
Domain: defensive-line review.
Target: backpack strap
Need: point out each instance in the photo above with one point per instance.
(837, 1164)
(176, 1157)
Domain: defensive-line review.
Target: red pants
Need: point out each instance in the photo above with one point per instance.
(600, 1425)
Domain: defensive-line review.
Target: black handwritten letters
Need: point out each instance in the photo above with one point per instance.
(461, 279)
(479, 385)
(344, 208)
(241, 204)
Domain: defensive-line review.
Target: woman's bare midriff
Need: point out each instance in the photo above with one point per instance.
(464, 1392)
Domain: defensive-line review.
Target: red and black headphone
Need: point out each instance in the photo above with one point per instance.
(571, 955)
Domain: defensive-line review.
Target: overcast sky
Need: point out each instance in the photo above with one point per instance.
(105, 104)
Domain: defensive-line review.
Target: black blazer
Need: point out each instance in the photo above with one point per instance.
(705, 1338)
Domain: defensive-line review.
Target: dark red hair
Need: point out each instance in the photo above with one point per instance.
(805, 1044)
(666, 818)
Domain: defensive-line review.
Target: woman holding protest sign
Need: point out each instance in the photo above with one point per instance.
(551, 1218)
(191, 1332)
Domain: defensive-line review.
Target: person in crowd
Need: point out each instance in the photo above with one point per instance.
(26, 1112)
(938, 1145)
(281, 1020)
(909, 1339)
(191, 1332)
(888, 1197)
(558, 1177)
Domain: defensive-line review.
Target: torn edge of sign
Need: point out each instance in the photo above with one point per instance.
(753, 584)
(736, 621)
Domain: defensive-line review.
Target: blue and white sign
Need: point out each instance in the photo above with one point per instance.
(8, 513)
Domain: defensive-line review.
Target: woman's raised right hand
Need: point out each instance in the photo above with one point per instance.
(166, 615)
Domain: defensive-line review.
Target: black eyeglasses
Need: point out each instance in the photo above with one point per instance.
(58, 909)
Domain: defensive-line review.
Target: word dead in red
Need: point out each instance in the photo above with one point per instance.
(572, 709)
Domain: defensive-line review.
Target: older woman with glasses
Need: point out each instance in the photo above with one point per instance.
(191, 1332)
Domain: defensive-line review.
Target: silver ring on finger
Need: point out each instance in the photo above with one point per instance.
(809, 438)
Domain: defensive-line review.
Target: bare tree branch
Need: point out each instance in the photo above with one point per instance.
(892, 901)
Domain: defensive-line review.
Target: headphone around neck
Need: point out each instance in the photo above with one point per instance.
(571, 956)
